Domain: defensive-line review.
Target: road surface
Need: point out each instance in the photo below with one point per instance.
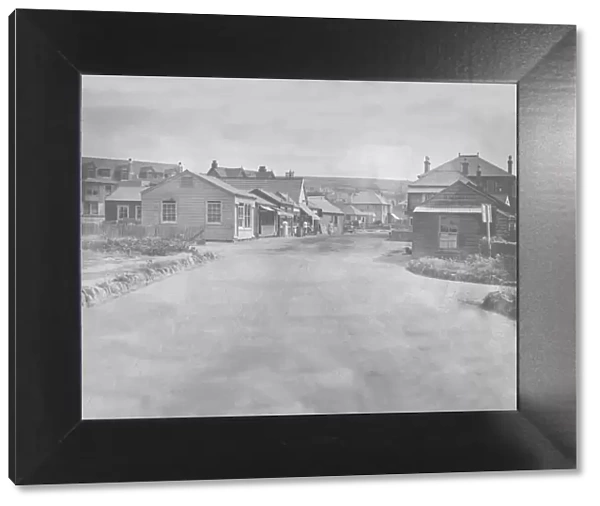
(281, 326)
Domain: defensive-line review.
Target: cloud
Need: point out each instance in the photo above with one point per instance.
(311, 127)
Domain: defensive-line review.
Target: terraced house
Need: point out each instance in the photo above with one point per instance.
(100, 177)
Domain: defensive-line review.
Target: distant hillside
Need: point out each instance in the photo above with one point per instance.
(359, 183)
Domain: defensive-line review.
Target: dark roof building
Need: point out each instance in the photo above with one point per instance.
(239, 172)
(450, 223)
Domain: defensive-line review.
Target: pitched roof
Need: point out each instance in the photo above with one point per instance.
(368, 197)
(268, 195)
(350, 210)
(117, 163)
(442, 178)
(461, 195)
(324, 205)
(293, 186)
(229, 172)
(308, 210)
(126, 193)
(487, 168)
(207, 179)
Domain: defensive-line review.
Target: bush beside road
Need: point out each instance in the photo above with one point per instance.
(472, 269)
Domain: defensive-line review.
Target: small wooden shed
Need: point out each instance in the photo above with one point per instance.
(450, 223)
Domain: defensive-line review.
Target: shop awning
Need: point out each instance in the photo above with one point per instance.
(394, 216)
(266, 208)
(285, 213)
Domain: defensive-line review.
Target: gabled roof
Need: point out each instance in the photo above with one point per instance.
(460, 195)
(228, 172)
(350, 210)
(268, 195)
(292, 186)
(324, 205)
(442, 178)
(207, 179)
(368, 197)
(488, 169)
(126, 194)
(117, 163)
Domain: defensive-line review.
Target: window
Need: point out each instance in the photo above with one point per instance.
(240, 216)
(146, 173)
(91, 172)
(103, 172)
(247, 216)
(186, 182)
(169, 212)
(213, 212)
(138, 213)
(90, 208)
(512, 224)
(122, 212)
(108, 189)
(91, 191)
(449, 232)
(124, 174)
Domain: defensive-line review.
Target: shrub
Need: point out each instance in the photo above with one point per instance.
(150, 246)
(503, 301)
(473, 269)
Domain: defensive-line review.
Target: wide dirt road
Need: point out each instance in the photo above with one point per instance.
(313, 325)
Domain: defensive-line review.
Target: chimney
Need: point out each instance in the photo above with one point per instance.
(427, 165)
(479, 183)
(465, 167)
(179, 167)
(262, 168)
(129, 169)
(510, 164)
(214, 165)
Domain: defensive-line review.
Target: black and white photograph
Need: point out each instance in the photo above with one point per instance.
(282, 247)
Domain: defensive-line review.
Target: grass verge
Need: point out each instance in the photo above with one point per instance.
(472, 269)
(152, 271)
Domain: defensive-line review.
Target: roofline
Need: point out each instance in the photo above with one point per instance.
(202, 177)
(127, 160)
(276, 178)
(476, 190)
(477, 156)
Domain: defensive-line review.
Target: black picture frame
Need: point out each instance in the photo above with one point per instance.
(51, 444)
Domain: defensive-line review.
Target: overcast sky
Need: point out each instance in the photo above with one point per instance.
(316, 128)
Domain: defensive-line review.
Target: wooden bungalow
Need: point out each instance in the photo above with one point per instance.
(450, 223)
(194, 200)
